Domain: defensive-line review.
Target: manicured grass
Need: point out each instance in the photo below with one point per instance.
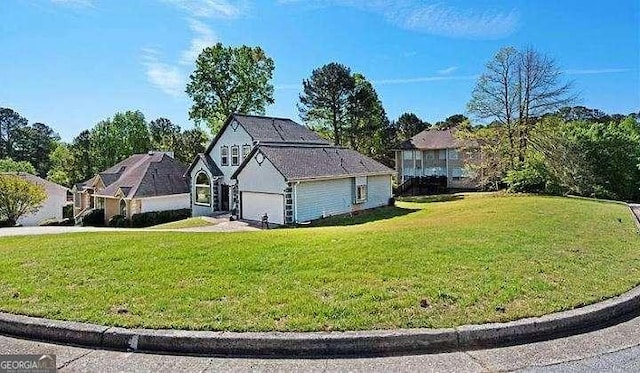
(185, 223)
(472, 260)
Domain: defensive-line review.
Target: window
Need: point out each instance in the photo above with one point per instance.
(407, 159)
(203, 189)
(456, 173)
(235, 155)
(224, 155)
(361, 193)
(453, 154)
(361, 189)
(246, 149)
(429, 154)
(418, 160)
(442, 154)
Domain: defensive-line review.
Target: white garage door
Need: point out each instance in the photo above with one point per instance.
(254, 205)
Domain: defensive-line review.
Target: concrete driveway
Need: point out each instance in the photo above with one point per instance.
(221, 225)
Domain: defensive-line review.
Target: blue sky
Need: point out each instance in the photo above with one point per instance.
(71, 63)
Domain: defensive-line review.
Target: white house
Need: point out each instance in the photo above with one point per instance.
(141, 183)
(261, 165)
(51, 207)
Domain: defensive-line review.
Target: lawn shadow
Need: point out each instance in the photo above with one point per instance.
(361, 217)
(433, 198)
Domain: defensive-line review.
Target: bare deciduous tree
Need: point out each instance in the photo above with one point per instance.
(517, 88)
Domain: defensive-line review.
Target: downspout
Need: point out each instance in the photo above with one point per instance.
(295, 202)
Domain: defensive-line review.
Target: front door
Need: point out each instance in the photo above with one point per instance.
(224, 198)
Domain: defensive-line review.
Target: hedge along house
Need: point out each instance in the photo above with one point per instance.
(141, 183)
(294, 183)
(432, 153)
(217, 185)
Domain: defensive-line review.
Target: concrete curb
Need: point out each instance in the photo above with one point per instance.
(323, 344)
(633, 207)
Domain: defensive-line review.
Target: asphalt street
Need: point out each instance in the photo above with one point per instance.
(613, 349)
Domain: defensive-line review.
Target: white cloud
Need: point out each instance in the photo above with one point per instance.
(448, 70)
(75, 3)
(394, 81)
(435, 18)
(168, 78)
(210, 8)
(204, 37)
(595, 71)
(422, 79)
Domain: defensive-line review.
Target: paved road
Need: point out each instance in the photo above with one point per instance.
(614, 349)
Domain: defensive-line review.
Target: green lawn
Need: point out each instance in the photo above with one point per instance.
(185, 223)
(473, 260)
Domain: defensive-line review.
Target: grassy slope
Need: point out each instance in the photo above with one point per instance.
(185, 223)
(474, 260)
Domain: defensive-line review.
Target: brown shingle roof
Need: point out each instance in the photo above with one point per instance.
(431, 139)
(145, 175)
(299, 161)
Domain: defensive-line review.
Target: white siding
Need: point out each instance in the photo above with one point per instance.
(261, 178)
(316, 199)
(51, 208)
(164, 203)
(229, 138)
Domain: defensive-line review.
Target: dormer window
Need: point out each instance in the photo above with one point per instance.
(224, 155)
(235, 155)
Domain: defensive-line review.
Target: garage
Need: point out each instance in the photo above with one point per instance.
(254, 205)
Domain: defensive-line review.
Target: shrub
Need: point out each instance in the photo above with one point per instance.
(94, 218)
(148, 219)
(118, 221)
(6, 224)
(67, 212)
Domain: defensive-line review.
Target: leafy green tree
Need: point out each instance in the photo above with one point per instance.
(452, 122)
(227, 80)
(113, 140)
(33, 143)
(325, 101)
(409, 125)
(11, 123)
(19, 197)
(367, 119)
(84, 165)
(9, 165)
(191, 142)
(62, 162)
(164, 135)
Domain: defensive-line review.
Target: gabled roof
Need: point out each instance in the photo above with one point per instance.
(36, 179)
(145, 175)
(309, 161)
(270, 129)
(431, 139)
(206, 159)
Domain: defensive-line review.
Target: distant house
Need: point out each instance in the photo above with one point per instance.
(51, 208)
(262, 165)
(432, 153)
(140, 183)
